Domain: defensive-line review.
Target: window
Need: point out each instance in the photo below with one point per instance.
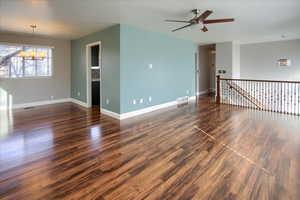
(19, 61)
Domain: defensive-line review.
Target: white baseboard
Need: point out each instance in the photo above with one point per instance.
(147, 110)
(212, 90)
(40, 103)
(142, 111)
(151, 109)
(203, 92)
(104, 111)
(110, 113)
(193, 98)
(81, 103)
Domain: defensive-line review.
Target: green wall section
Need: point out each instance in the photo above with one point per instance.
(110, 40)
(172, 75)
(126, 54)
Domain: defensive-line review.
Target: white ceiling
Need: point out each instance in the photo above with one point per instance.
(256, 20)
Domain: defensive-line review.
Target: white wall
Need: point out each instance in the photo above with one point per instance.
(259, 61)
(228, 58)
(28, 90)
(204, 67)
(236, 61)
(212, 64)
(224, 58)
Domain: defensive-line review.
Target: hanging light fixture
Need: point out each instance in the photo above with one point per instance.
(33, 55)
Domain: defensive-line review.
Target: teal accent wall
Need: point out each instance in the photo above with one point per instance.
(110, 40)
(126, 54)
(173, 71)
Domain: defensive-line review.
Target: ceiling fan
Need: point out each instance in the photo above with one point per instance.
(200, 19)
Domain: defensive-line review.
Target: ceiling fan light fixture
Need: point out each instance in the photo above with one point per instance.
(195, 27)
(200, 19)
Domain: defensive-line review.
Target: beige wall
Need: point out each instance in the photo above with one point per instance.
(28, 90)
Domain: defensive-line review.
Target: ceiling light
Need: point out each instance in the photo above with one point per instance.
(33, 55)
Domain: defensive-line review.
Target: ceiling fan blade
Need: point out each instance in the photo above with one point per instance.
(182, 27)
(204, 29)
(177, 21)
(212, 21)
(204, 15)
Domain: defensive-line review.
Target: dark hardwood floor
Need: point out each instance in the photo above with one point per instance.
(198, 152)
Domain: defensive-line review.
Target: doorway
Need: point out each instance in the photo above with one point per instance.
(205, 79)
(94, 69)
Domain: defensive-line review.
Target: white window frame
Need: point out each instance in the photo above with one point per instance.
(33, 46)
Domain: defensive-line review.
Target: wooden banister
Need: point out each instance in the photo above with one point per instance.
(268, 95)
(253, 80)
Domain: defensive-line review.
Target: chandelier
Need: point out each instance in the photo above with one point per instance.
(33, 54)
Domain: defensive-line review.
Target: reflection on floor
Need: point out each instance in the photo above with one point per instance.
(199, 151)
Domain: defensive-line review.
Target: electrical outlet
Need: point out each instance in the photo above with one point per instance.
(107, 101)
(187, 92)
(78, 94)
(134, 101)
(150, 99)
(51, 97)
(141, 100)
(150, 66)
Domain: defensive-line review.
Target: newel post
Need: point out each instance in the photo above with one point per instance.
(218, 97)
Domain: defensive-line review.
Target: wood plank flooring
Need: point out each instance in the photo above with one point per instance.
(196, 152)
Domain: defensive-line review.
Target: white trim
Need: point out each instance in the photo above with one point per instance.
(37, 103)
(192, 98)
(42, 103)
(203, 92)
(197, 71)
(151, 109)
(104, 111)
(147, 110)
(110, 113)
(88, 73)
(212, 90)
(81, 103)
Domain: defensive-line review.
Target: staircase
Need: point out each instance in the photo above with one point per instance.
(267, 95)
(246, 95)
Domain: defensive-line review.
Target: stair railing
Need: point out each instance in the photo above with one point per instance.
(267, 95)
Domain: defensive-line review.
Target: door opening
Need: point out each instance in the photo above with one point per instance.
(205, 73)
(94, 69)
